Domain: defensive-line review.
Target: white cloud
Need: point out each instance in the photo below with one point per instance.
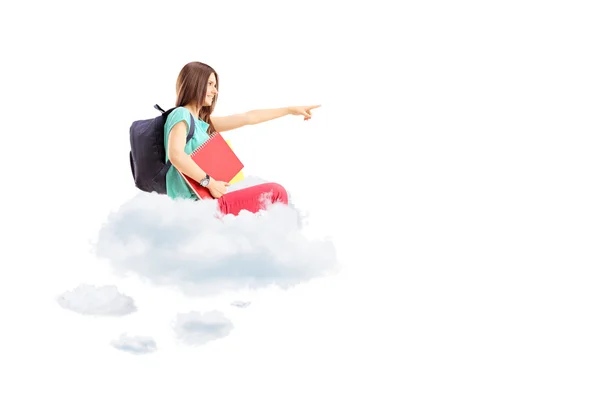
(182, 243)
(196, 328)
(240, 304)
(134, 344)
(97, 300)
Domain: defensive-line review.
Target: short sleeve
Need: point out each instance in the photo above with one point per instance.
(177, 115)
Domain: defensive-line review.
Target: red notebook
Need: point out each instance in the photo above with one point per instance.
(218, 160)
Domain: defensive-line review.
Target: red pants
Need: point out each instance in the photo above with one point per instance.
(253, 198)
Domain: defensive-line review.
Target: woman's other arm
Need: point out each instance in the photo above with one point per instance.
(184, 163)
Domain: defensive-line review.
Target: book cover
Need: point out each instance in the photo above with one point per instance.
(240, 175)
(217, 159)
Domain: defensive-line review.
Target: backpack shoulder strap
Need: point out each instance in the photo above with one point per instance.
(192, 128)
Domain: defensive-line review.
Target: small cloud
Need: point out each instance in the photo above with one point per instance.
(183, 244)
(196, 328)
(94, 300)
(134, 344)
(240, 304)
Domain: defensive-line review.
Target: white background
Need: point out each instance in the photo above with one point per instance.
(454, 162)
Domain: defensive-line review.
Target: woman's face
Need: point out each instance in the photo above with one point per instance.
(211, 90)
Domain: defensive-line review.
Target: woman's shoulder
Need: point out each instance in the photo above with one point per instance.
(179, 113)
(176, 116)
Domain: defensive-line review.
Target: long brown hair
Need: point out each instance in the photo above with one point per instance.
(191, 89)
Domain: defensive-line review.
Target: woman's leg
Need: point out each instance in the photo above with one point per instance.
(253, 198)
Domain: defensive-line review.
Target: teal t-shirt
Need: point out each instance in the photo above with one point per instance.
(176, 186)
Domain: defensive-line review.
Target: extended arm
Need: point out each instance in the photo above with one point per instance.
(254, 117)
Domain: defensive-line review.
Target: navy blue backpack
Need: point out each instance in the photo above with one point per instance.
(147, 155)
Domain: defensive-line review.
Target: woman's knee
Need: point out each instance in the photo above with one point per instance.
(279, 193)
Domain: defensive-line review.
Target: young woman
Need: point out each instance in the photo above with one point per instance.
(197, 91)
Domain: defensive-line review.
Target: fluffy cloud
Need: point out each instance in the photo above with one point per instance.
(240, 304)
(195, 328)
(134, 344)
(94, 300)
(182, 243)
